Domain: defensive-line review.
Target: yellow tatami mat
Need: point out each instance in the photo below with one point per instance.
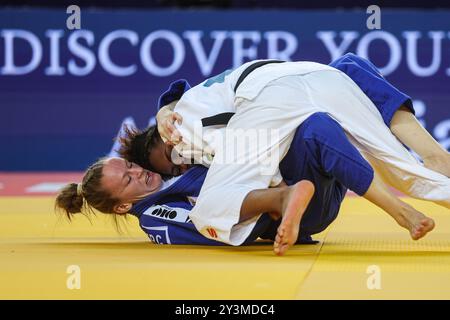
(364, 254)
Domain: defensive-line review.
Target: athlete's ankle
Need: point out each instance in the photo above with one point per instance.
(403, 214)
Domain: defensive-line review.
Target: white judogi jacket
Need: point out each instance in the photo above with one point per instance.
(217, 95)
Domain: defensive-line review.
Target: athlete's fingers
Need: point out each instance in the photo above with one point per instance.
(164, 131)
(172, 131)
(170, 123)
(175, 135)
(177, 117)
(169, 143)
(166, 126)
(161, 118)
(170, 128)
(162, 128)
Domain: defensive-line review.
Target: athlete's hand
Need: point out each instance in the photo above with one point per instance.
(166, 125)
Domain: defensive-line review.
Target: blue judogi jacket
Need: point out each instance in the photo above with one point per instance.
(164, 215)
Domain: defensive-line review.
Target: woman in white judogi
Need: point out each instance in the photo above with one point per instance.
(277, 98)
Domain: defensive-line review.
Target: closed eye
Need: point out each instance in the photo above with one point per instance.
(129, 166)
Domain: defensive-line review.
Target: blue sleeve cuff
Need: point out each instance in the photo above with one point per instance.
(175, 92)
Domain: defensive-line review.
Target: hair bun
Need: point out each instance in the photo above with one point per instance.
(69, 200)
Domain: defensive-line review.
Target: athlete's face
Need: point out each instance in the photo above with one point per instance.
(160, 158)
(128, 182)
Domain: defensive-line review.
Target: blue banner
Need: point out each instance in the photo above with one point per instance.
(64, 94)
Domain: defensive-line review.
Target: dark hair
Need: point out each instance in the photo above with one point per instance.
(136, 145)
(91, 195)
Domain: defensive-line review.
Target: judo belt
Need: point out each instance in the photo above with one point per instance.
(224, 118)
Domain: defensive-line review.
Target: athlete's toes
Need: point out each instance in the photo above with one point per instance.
(428, 224)
(280, 231)
(276, 247)
(278, 239)
(282, 250)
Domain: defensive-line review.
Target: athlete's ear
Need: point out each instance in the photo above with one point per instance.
(122, 208)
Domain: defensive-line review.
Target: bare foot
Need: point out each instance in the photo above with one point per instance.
(416, 222)
(439, 164)
(294, 207)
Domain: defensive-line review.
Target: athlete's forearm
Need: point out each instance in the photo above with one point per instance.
(410, 132)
